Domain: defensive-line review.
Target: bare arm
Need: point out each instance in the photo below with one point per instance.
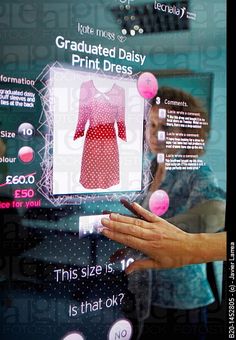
(165, 245)
(206, 217)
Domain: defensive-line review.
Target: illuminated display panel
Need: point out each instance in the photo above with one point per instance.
(78, 133)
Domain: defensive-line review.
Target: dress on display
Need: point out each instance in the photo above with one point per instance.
(100, 159)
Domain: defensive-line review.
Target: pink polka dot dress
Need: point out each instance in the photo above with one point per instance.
(100, 159)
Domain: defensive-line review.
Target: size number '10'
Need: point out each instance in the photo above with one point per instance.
(126, 263)
(27, 132)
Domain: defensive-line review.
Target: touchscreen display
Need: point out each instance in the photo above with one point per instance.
(102, 101)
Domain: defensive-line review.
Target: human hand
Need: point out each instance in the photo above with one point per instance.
(166, 245)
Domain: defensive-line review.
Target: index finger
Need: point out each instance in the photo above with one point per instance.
(129, 220)
(147, 215)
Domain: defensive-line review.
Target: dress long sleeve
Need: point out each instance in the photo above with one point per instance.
(83, 111)
(121, 117)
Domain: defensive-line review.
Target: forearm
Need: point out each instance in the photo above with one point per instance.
(208, 247)
(208, 217)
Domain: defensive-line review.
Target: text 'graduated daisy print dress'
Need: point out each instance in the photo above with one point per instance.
(100, 160)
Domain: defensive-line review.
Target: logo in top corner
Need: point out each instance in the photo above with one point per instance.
(171, 9)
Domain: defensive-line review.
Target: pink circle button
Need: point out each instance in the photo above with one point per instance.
(26, 154)
(147, 85)
(159, 202)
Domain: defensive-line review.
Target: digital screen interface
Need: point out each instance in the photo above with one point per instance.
(102, 101)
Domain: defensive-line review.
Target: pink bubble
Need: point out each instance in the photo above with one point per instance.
(147, 85)
(159, 202)
(26, 154)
